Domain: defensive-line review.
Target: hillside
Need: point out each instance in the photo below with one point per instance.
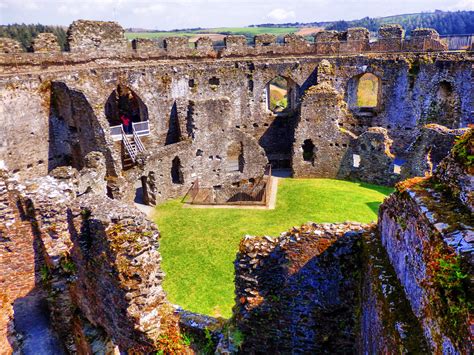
(446, 23)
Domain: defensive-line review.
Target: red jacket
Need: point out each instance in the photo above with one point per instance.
(125, 120)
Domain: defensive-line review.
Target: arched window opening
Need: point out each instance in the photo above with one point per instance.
(123, 102)
(445, 90)
(235, 157)
(177, 171)
(444, 106)
(174, 129)
(278, 98)
(308, 150)
(367, 91)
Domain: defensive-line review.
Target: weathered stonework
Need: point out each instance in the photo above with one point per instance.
(207, 119)
(285, 287)
(45, 42)
(145, 45)
(9, 45)
(86, 36)
(425, 39)
(92, 252)
(177, 46)
(204, 47)
(300, 292)
(422, 226)
(390, 39)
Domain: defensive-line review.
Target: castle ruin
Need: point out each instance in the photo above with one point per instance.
(70, 168)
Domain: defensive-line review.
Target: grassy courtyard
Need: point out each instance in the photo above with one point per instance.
(199, 245)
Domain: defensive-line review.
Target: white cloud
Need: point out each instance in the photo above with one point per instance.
(281, 14)
(30, 5)
(68, 10)
(156, 8)
(462, 5)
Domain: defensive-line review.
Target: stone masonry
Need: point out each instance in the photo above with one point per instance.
(72, 244)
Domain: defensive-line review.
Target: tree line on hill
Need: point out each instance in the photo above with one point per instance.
(25, 33)
(445, 22)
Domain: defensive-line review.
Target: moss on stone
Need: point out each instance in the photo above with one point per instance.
(463, 149)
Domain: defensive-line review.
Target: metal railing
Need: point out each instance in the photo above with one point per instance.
(128, 146)
(116, 132)
(138, 142)
(257, 195)
(140, 128)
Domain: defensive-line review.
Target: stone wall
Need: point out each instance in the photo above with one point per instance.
(287, 287)
(95, 261)
(9, 45)
(400, 286)
(84, 36)
(198, 108)
(97, 36)
(427, 231)
(45, 42)
(322, 288)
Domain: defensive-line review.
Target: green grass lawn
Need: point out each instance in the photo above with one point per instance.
(199, 246)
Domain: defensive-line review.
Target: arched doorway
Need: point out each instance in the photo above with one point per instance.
(125, 108)
(177, 171)
(280, 97)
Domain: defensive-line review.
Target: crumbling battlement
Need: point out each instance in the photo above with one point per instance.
(84, 36)
(45, 42)
(8, 45)
(96, 36)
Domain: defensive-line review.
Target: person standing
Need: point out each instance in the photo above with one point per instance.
(126, 124)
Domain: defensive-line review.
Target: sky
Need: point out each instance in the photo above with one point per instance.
(172, 14)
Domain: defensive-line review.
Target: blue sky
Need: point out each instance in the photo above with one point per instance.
(170, 14)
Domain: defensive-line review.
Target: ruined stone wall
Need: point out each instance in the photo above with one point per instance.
(45, 42)
(286, 287)
(9, 45)
(426, 229)
(322, 288)
(406, 281)
(197, 109)
(86, 36)
(94, 260)
(26, 132)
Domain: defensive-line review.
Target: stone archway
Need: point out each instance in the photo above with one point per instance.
(125, 102)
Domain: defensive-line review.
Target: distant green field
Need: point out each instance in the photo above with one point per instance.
(246, 31)
(252, 30)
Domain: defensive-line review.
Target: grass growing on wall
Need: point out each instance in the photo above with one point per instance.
(199, 246)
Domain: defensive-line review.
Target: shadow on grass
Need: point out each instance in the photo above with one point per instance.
(386, 190)
(374, 206)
